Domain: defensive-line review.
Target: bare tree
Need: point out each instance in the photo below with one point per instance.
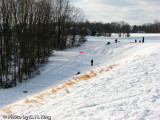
(29, 31)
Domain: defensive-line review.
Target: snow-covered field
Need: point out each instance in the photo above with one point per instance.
(124, 83)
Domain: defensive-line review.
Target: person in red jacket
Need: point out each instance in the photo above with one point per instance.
(116, 40)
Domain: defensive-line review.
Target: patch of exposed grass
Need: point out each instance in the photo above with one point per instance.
(30, 101)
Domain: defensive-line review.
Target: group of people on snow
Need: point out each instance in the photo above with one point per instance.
(108, 43)
(140, 40)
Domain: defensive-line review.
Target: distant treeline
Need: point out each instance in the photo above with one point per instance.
(147, 28)
(122, 28)
(29, 32)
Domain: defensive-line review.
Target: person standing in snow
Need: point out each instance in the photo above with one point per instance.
(92, 62)
(143, 40)
(116, 40)
(135, 41)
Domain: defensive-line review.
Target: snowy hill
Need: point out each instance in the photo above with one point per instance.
(124, 83)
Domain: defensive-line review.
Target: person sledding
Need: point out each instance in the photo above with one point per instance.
(108, 43)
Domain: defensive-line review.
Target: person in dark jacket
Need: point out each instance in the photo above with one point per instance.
(135, 41)
(143, 40)
(92, 62)
(108, 43)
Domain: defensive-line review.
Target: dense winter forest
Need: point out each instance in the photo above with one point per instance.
(121, 28)
(29, 32)
(31, 29)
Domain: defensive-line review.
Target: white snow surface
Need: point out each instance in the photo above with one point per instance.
(130, 90)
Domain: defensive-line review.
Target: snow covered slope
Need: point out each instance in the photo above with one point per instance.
(124, 83)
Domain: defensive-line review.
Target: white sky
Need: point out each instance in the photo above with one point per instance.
(131, 11)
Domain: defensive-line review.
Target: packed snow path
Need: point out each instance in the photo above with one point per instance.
(128, 91)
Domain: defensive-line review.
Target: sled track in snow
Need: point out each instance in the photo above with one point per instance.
(39, 99)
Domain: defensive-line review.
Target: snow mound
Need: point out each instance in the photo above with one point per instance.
(127, 88)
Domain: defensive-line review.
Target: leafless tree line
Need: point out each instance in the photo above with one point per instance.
(147, 28)
(121, 28)
(29, 32)
(97, 28)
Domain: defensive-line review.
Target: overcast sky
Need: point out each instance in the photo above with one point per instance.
(134, 12)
